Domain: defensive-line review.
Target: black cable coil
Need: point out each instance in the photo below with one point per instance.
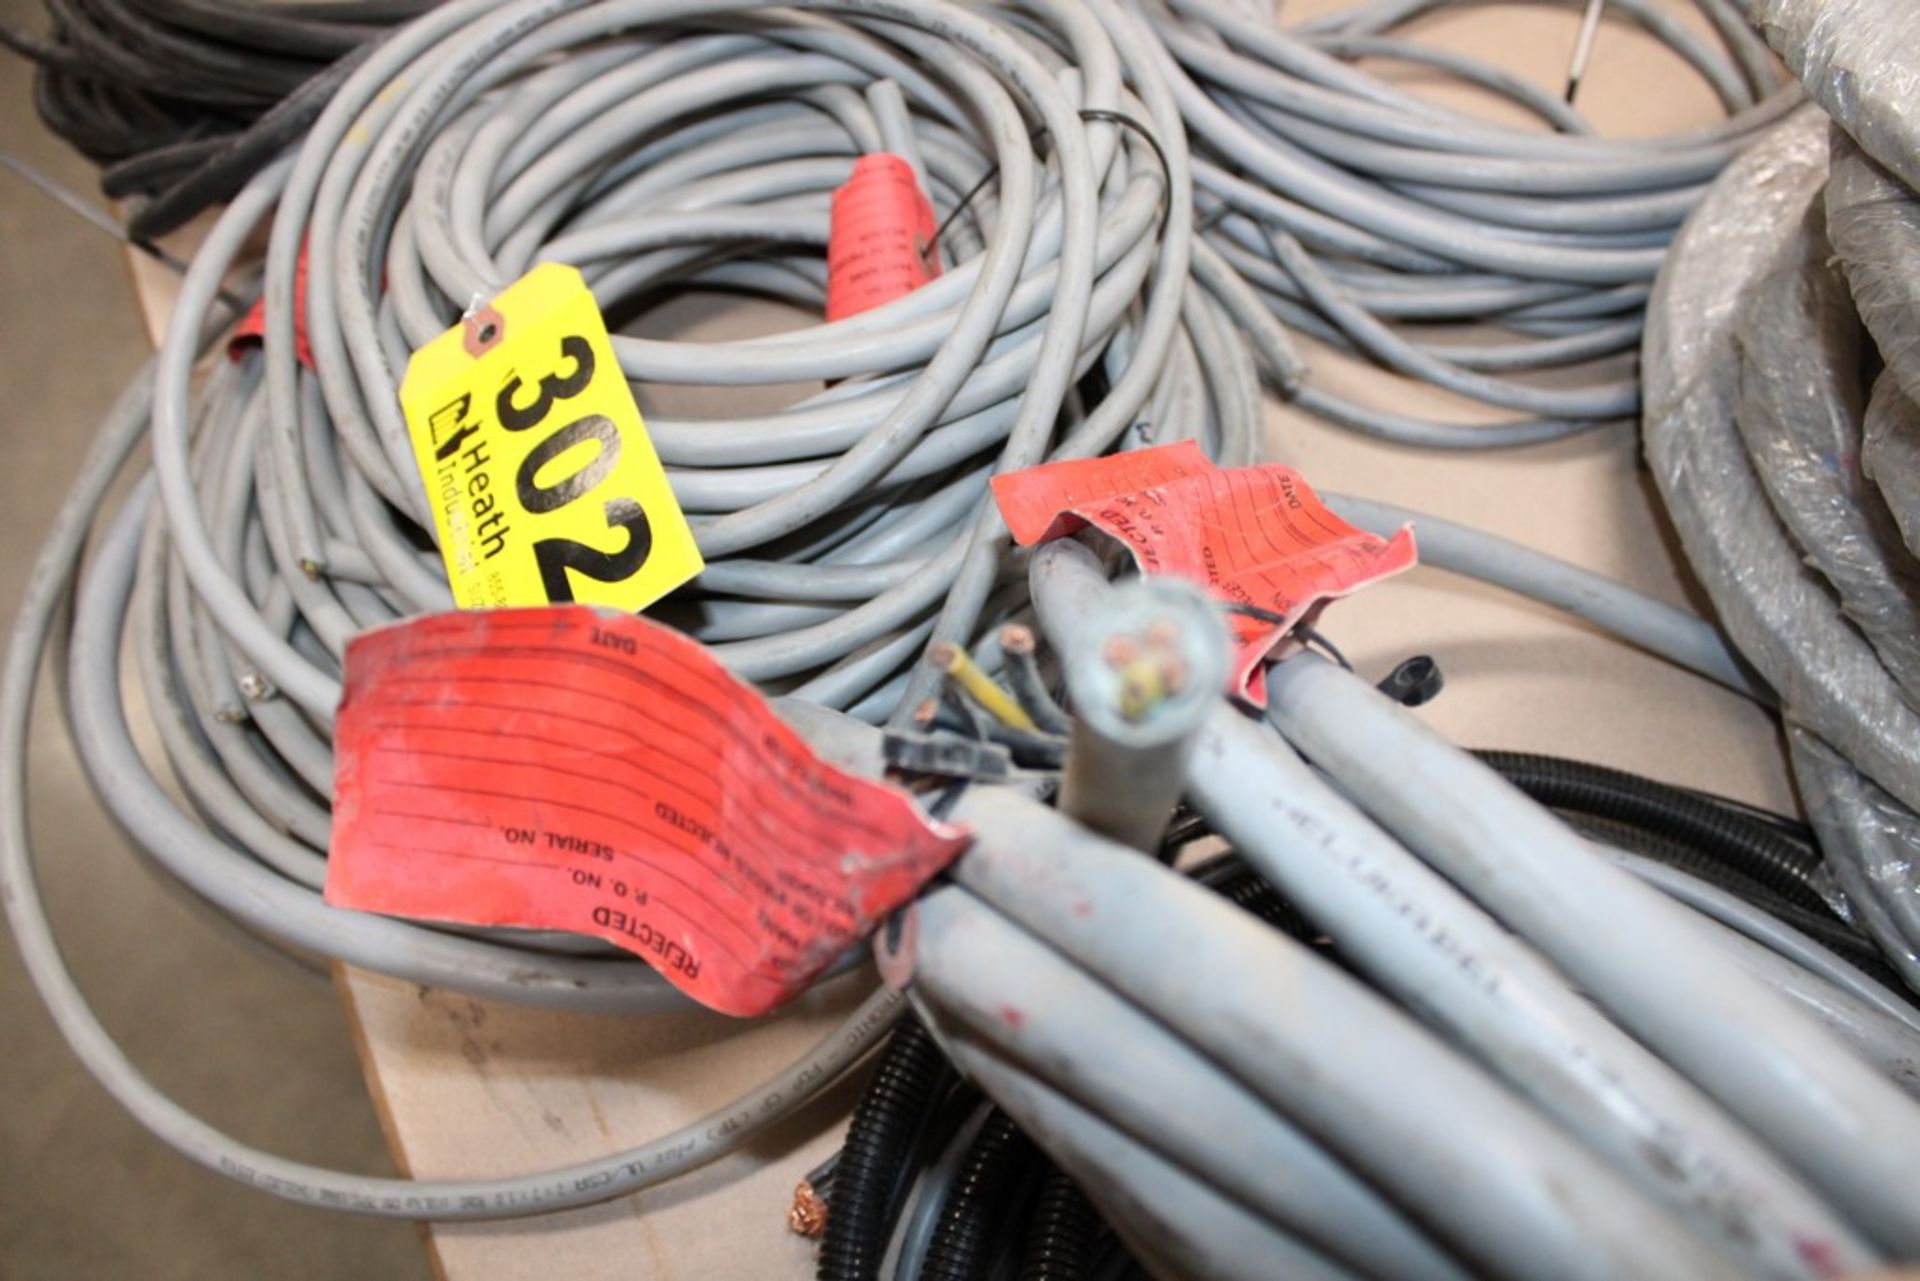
(873, 1167)
(1758, 848)
(983, 1229)
(968, 1237)
(1062, 1232)
(181, 101)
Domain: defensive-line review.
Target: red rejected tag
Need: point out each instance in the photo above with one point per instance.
(253, 326)
(1255, 536)
(567, 768)
(880, 243)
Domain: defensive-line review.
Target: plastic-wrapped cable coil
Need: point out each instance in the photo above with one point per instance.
(1872, 846)
(1372, 218)
(1873, 222)
(1780, 612)
(1857, 60)
(1800, 412)
(1890, 453)
(1789, 468)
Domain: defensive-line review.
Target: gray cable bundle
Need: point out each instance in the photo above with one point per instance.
(1786, 462)
(662, 147)
(1370, 217)
(1514, 1011)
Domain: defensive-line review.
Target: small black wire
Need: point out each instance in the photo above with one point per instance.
(1110, 117)
(1254, 612)
(993, 171)
(821, 1176)
(1146, 136)
(1318, 641)
(1306, 634)
(99, 220)
(975, 719)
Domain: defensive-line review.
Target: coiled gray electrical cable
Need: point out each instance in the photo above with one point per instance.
(662, 146)
(1675, 635)
(867, 494)
(683, 144)
(1367, 216)
(242, 631)
(583, 1184)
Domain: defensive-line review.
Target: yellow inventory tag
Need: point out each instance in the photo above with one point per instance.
(543, 484)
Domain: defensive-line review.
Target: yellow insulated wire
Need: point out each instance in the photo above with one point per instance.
(986, 691)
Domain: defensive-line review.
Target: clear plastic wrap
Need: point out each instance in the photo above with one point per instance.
(1860, 60)
(1890, 454)
(1779, 612)
(1873, 221)
(1872, 848)
(1800, 409)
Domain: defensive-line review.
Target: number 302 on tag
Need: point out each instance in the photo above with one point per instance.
(543, 484)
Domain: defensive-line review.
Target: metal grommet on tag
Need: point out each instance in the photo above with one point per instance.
(483, 330)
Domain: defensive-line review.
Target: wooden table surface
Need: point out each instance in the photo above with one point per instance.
(474, 1088)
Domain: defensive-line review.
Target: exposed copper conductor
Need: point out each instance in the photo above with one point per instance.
(1017, 639)
(807, 1216)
